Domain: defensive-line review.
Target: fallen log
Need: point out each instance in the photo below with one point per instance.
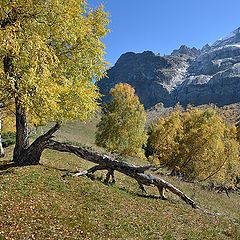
(108, 163)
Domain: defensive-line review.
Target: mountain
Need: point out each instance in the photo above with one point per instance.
(214, 75)
(153, 76)
(187, 75)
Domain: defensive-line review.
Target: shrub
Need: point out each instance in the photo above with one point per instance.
(8, 138)
(197, 144)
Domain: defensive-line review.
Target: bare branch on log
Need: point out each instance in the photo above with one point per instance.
(107, 163)
(32, 154)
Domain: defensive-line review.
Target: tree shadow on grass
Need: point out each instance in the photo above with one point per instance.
(142, 195)
(5, 167)
(122, 189)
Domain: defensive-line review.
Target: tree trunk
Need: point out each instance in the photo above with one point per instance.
(110, 164)
(32, 154)
(22, 141)
(21, 122)
(2, 153)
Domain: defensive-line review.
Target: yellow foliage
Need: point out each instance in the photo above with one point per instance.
(238, 131)
(50, 52)
(197, 144)
(121, 128)
(8, 119)
(165, 137)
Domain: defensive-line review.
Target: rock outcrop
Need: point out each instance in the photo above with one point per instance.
(187, 76)
(152, 76)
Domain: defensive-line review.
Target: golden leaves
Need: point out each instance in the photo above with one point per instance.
(121, 128)
(56, 51)
(164, 138)
(197, 144)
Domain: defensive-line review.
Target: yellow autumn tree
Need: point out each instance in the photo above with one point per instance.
(199, 145)
(50, 52)
(238, 130)
(209, 146)
(164, 139)
(121, 128)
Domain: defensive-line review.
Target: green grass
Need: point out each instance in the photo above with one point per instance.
(37, 203)
(77, 132)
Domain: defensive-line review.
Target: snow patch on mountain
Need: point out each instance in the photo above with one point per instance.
(230, 39)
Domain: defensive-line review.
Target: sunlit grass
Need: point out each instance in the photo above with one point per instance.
(37, 203)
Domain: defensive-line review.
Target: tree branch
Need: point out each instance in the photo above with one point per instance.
(107, 163)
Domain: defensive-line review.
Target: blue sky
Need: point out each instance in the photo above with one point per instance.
(164, 25)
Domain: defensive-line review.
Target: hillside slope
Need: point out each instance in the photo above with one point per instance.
(231, 113)
(36, 203)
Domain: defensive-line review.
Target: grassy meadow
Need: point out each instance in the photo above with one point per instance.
(37, 203)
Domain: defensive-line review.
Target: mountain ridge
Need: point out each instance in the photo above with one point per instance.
(186, 76)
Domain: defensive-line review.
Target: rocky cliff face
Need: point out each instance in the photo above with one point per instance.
(153, 76)
(187, 76)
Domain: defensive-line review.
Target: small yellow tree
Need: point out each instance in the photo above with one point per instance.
(164, 140)
(209, 145)
(121, 128)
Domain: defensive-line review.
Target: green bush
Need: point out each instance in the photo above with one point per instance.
(8, 138)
